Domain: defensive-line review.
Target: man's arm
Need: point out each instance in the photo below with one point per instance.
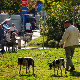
(79, 34)
(64, 37)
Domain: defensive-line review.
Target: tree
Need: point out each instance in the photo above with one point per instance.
(14, 6)
(11, 6)
(58, 12)
(2, 3)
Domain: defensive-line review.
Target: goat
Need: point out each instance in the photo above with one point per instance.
(26, 61)
(57, 63)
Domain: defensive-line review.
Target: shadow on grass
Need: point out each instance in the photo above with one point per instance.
(12, 51)
(8, 52)
(75, 73)
(28, 75)
(2, 52)
(54, 75)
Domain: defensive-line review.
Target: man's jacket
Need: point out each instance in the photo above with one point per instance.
(70, 37)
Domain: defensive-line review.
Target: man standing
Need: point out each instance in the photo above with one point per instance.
(12, 29)
(71, 40)
(1, 37)
(28, 27)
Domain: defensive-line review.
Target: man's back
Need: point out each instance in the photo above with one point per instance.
(73, 36)
(28, 26)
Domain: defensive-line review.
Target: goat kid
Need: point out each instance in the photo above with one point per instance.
(26, 61)
(57, 64)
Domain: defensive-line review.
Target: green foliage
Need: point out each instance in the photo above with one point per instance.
(49, 2)
(41, 26)
(56, 22)
(38, 42)
(52, 43)
(11, 6)
(9, 67)
(57, 14)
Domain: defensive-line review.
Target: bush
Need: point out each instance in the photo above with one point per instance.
(38, 42)
(52, 43)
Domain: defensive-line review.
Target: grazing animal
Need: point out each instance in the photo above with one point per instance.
(26, 61)
(57, 63)
(10, 42)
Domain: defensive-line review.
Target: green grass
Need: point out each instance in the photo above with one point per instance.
(37, 42)
(9, 67)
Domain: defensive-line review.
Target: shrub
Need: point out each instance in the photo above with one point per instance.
(52, 43)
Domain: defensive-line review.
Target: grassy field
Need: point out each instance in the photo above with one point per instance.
(9, 67)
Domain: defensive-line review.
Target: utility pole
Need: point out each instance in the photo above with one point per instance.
(44, 28)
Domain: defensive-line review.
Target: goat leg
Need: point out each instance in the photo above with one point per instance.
(33, 68)
(20, 69)
(57, 72)
(26, 69)
(54, 70)
(6, 48)
(12, 48)
(61, 72)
